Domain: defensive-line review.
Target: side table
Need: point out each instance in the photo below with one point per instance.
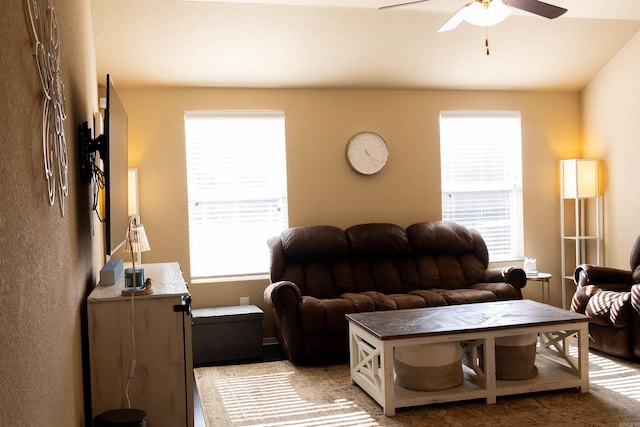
(543, 278)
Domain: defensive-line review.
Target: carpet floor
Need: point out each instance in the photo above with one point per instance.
(279, 394)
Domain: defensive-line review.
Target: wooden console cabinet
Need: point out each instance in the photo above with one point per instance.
(162, 384)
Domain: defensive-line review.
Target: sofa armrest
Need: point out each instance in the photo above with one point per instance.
(635, 299)
(635, 319)
(515, 276)
(284, 297)
(591, 279)
(587, 274)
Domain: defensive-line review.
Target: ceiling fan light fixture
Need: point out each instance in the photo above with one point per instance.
(486, 13)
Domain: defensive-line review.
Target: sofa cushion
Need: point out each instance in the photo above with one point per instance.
(385, 275)
(325, 316)
(313, 243)
(404, 301)
(378, 240)
(431, 299)
(446, 255)
(451, 273)
(395, 301)
(465, 296)
(361, 302)
(440, 237)
(381, 301)
(610, 308)
(320, 279)
(503, 291)
(382, 259)
(317, 260)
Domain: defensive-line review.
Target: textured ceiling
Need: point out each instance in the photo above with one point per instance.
(350, 43)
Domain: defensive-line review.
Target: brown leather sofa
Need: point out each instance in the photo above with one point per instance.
(611, 297)
(320, 273)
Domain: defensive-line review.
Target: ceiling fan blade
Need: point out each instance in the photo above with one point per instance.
(455, 20)
(539, 8)
(402, 4)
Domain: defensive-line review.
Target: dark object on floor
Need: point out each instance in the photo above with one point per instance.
(611, 297)
(226, 334)
(121, 418)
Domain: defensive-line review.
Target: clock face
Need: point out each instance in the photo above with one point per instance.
(367, 153)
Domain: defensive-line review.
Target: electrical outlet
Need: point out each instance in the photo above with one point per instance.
(244, 301)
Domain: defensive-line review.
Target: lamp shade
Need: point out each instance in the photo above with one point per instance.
(136, 241)
(486, 13)
(580, 178)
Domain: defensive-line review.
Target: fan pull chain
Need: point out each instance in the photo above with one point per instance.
(486, 39)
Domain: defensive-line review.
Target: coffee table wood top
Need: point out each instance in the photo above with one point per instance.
(394, 324)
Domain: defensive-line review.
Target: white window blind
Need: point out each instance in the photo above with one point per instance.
(481, 172)
(237, 190)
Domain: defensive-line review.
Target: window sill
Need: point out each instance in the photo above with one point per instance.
(229, 279)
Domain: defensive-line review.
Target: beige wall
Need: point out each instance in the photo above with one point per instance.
(46, 261)
(322, 188)
(612, 128)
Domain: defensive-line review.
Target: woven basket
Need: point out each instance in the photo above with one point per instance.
(428, 367)
(516, 362)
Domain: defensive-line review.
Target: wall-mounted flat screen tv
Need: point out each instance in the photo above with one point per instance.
(116, 169)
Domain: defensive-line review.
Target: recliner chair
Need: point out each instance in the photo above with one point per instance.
(611, 297)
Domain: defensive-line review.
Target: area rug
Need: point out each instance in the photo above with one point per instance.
(279, 394)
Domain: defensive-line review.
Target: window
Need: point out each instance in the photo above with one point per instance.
(481, 165)
(237, 190)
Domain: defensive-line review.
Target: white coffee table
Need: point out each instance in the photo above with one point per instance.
(373, 336)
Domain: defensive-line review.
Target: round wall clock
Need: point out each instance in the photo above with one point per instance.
(367, 153)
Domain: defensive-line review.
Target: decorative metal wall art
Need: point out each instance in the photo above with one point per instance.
(44, 28)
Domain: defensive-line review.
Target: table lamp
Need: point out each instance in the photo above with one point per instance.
(135, 243)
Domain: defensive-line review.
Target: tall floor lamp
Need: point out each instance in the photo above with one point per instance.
(579, 181)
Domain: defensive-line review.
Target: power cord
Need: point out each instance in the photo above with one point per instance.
(99, 179)
(132, 366)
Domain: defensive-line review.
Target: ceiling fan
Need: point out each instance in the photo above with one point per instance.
(490, 12)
